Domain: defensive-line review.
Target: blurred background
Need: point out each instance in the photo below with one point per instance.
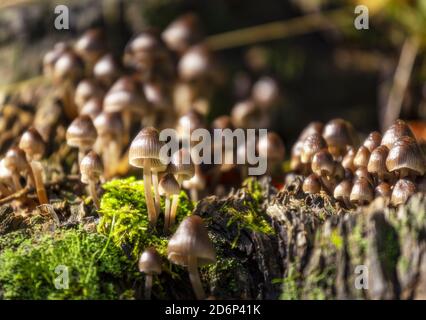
(324, 67)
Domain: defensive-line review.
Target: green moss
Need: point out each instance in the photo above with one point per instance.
(95, 267)
(336, 239)
(291, 285)
(223, 273)
(124, 217)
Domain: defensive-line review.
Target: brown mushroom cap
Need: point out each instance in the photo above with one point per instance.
(377, 161)
(295, 161)
(373, 141)
(106, 70)
(396, 131)
(150, 262)
(32, 144)
(68, 67)
(383, 189)
(52, 56)
(361, 192)
(362, 173)
(272, 147)
(348, 159)
(189, 122)
(311, 184)
(311, 128)
(181, 164)
(323, 163)
(168, 185)
(361, 157)
(402, 190)
(339, 134)
(91, 167)
(86, 89)
(81, 133)
(196, 64)
(343, 190)
(191, 239)
(405, 154)
(146, 145)
(266, 92)
(91, 45)
(109, 125)
(311, 145)
(92, 108)
(15, 160)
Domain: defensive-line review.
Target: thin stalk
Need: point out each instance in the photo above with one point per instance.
(148, 286)
(154, 176)
(93, 193)
(37, 171)
(194, 194)
(167, 214)
(173, 210)
(81, 155)
(148, 193)
(16, 182)
(194, 276)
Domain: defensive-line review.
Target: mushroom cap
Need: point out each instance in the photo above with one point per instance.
(343, 190)
(191, 239)
(402, 190)
(383, 189)
(197, 181)
(15, 160)
(196, 64)
(191, 120)
(271, 146)
(144, 50)
(52, 56)
(377, 161)
(68, 67)
(182, 33)
(244, 114)
(168, 185)
(86, 89)
(311, 145)
(92, 108)
(396, 131)
(91, 167)
(91, 45)
(106, 69)
(5, 173)
(362, 173)
(32, 144)
(81, 133)
(361, 191)
(373, 140)
(150, 262)
(361, 157)
(266, 92)
(146, 145)
(338, 134)
(323, 163)
(181, 164)
(348, 159)
(109, 125)
(311, 184)
(158, 95)
(406, 154)
(311, 128)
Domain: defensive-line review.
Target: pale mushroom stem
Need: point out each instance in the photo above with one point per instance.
(154, 176)
(37, 171)
(148, 286)
(93, 193)
(16, 182)
(148, 194)
(127, 125)
(173, 210)
(111, 158)
(167, 214)
(194, 276)
(81, 155)
(194, 194)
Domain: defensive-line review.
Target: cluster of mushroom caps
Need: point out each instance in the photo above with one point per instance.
(391, 166)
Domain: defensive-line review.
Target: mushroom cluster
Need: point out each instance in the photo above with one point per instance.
(332, 160)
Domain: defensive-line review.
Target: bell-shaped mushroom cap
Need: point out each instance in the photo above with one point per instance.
(92, 108)
(32, 144)
(182, 33)
(150, 262)
(15, 160)
(243, 114)
(158, 95)
(168, 185)
(197, 181)
(296, 151)
(266, 92)
(91, 45)
(107, 70)
(361, 157)
(362, 173)
(81, 133)
(196, 64)
(362, 192)
(271, 147)
(189, 122)
(52, 56)
(87, 89)
(377, 161)
(68, 67)
(343, 190)
(348, 159)
(323, 163)
(396, 131)
(311, 184)
(339, 134)
(91, 167)
(181, 164)
(5, 173)
(146, 145)
(383, 189)
(109, 125)
(191, 239)
(405, 154)
(311, 128)
(311, 145)
(402, 190)
(373, 140)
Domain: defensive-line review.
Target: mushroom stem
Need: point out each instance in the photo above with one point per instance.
(173, 210)
(16, 182)
(37, 171)
(81, 154)
(111, 158)
(167, 214)
(194, 194)
(148, 286)
(148, 194)
(93, 193)
(194, 276)
(154, 176)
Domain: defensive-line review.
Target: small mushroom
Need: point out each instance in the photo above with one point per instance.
(81, 134)
(362, 192)
(169, 187)
(323, 166)
(361, 157)
(52, 56)
(191, 247)
(6, 182)
(33, 145)
(311, 184)
(339, 134)
(90, 47)
(150, 264)
(311, 145)
(92, 108)
(107, 70)
(91, 169)
(68, 68)
(377, 163)
(85, 90)
(373, 140)
(348, 159)
(16, 162)
(342, 193)
(362, 173)
(384, 190)
(396, 131)
(312, 128)
(266, 93)
(296, 164)
(402, 190)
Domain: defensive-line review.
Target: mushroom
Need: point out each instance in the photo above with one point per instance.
(33, 145)
(191, 247)
(402, 190)
(6, 182)
(342, 193)
(311, 184)
(81, 134)
(377, 164)
(323, 166)
(362, 192)
(196, 183)
(405, 158)
(362, 173)
(90, 47)
(16, 162)
(348, 159)
(372, 141)
(107, 70)
(150, 264)
(296, 164)
(92, 108)
(91, 169)
(68, 68)
(196, 64)
(144, 150)
(85, 90)
(339, 134)
(361, 157)
(311, 145)
(271, 147)
(52, 56)
(312, 128)
(266, 93)
(396, 131)
(383, 189)
(170, 188)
